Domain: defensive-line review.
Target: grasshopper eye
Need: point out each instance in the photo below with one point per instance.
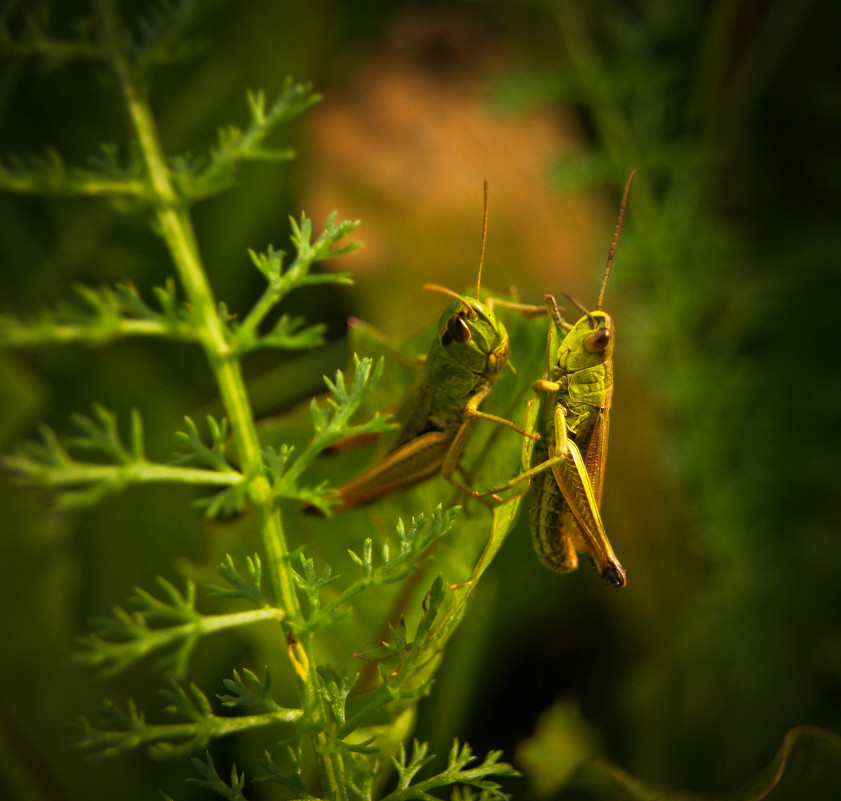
(457, 331)
(597, 341)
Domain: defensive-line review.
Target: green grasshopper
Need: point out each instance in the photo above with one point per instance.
(568, 463)
(468, 354)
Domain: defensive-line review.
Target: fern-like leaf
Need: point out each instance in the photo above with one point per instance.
(211, 780)
(105, 315)
(331, 422)
(457, 772)
(291, 333)
(201, 178)
(240, 586)
(170, 624)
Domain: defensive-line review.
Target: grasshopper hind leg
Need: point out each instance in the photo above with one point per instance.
(614, 575)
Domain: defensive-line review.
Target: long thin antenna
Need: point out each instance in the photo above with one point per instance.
(575, 303)
(484, 237)
(444, 291)
(615, 240)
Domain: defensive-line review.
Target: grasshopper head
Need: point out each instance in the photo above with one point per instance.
(589, 343)
(472, 336)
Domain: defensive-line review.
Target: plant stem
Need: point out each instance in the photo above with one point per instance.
(23, 336)
(139, 472)
(177, 231)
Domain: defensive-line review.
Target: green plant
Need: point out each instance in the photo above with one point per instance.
(340, 727)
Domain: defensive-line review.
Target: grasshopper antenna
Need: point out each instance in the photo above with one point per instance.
(438, 288)
(444, 291)
(578, 306)
(615, 240)
(484, 237)
(575, 303)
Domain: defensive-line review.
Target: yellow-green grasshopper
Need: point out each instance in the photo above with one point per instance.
(467, 355)
(567, 465)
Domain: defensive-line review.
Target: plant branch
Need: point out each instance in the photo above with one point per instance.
(107, 314)
(177, 231)
(128, 729)
(110, 656)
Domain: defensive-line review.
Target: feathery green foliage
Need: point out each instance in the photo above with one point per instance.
(340, 730)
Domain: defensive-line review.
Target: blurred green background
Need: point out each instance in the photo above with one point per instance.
(724, 458)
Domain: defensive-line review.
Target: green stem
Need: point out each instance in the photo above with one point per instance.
(54, 49)
(111, 655)
(95, 333)
(210, 727)
(72, 185)
(176, 229)
(74, 474)
(211, 623)
(276, 290)
(330, 764)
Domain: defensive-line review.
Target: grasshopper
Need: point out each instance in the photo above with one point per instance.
(467, 355)
(568, 463)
